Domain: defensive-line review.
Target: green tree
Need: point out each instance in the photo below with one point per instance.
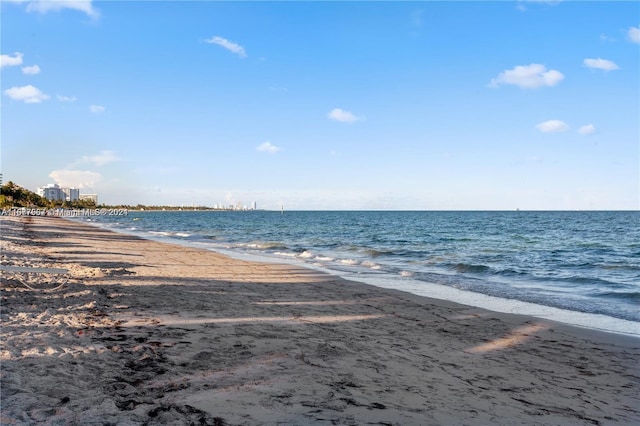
(16, 196)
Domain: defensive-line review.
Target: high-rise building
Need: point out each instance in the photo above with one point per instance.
(71, 194)
(52, 192)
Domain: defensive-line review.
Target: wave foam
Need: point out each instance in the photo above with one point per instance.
(371, 265)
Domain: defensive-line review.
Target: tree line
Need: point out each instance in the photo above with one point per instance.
(13, 195)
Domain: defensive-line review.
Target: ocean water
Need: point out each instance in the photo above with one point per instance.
(582, 268)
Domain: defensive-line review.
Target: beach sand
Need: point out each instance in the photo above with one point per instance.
(152, 333)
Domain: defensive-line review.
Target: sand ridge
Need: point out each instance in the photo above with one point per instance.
(152, 333)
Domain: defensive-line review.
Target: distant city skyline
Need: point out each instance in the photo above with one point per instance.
(505, 105)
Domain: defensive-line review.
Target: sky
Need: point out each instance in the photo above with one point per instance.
(504, 105)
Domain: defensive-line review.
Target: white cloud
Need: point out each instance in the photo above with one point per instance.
(604, 37)
(62, 98)
(32, 70)
(97, 109)
(552, 126)
(11, 61)
(587, 129)
(342, 116)
(417, 18)
(268, 147)
(633, 34)
(101, 159)
(520, 6)
(75, 178)
(601, 64)
(44, 6)
(27, 94)
(229, 45)
(528, 77)
(229, 198)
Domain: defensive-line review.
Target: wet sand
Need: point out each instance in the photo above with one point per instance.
(153, 333)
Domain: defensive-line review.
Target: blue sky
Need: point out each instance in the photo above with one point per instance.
(326, 105)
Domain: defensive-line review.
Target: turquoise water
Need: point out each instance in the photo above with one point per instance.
(581, 262)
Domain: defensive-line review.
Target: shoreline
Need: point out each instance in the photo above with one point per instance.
(582, 319)
(148, 331)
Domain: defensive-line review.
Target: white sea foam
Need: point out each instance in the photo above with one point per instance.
(371, 265)
(285, 254)
(263, 245)
(510, 306)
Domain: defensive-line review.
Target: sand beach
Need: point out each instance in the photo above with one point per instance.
(146, 332)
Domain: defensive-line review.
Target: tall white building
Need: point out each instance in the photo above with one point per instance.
(52, 192)
(71, 194)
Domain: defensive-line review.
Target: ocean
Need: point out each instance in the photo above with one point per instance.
(581, 268)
